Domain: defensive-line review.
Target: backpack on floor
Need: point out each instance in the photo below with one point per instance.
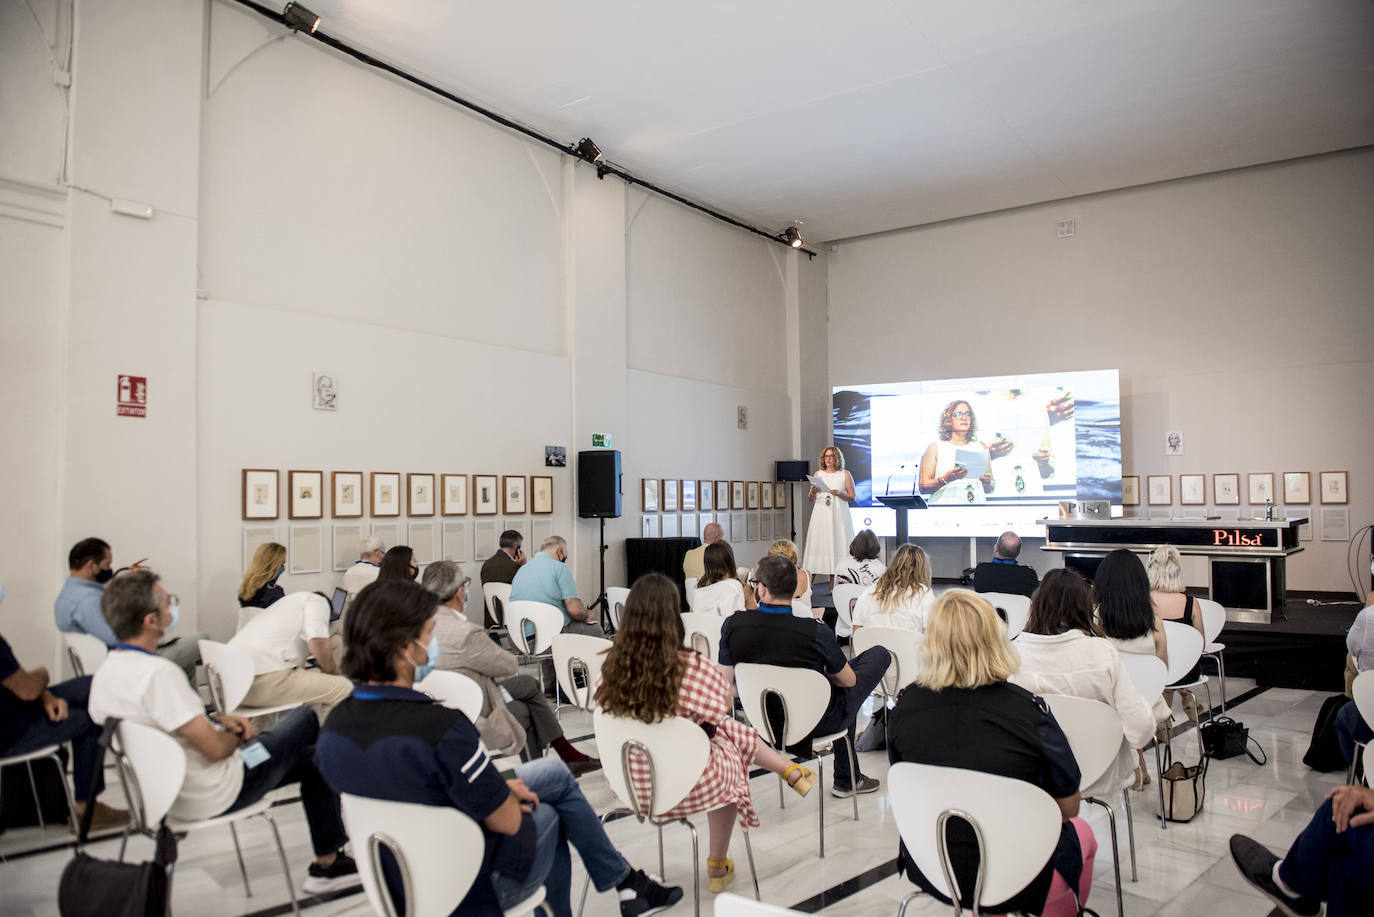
(1324, 754)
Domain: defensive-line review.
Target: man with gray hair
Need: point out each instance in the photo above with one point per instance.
(694, 561)
(1003, 573)
(366, 569)
(546, 578)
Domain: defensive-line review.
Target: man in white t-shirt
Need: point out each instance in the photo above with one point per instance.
(366, 569)
(137, 685)
(279, 638)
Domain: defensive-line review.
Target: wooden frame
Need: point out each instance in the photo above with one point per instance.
(305, 549)
(1226, 489)
(484, 495)
(751, 500)
(737, 495)
(1297, 487)
(386, 494)
(780, 489)
(648, 495)
(1260, 487)
(1335, 485)
(669, 491)
(347, 488)
(689, 495)
(1160, 489)
(722, 495)
(420, 495)
(766, 494)
(1192, 489)
(513, 494)
(541, 494)
(263, 484)
(1130, 490)
(305, 495)
(706, 492)
(453, 497)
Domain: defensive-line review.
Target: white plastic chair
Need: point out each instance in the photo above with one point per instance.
(51, 753)
(438, 852)
(701, 632)
(1016, 825)
(579, 651)
(86, 653)
(689, 590)
(845, 595)
(1362, 688)
(801, 608)
(1213, 622)
(905, 647)
(152, 767)
(546, 622)
(497, 597)
(1150, 676)
(677, 752)
(729, 904)
(454, 690)
(804, 695)
(616, 596)
(1185, 649)
(1016, 606)
(229, 670)
(1095, 734)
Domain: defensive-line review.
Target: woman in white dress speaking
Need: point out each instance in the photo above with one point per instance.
(831, 529)
(942, 475)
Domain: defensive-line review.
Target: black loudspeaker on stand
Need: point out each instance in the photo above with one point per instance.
(599, 494)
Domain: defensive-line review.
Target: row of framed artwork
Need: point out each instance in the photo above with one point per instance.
(738, 525)
(305, 496)
(670, 495)
(1297, 488)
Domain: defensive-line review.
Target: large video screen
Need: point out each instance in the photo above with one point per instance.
(1027, 440)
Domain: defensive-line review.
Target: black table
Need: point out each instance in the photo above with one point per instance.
(658, 555)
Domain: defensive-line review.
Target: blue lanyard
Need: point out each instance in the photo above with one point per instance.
(130, 646)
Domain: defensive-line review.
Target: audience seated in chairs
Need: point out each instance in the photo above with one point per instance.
(259, 588)
(1172, 603)
(902, 597)
(772, 635)
(136, 685)
(525, 721)
(389, 741)
(962, 712)
(398, 563)
(720, 590)
(277, 638)
(694, 561)
(801, 597)
(364, 572)
(863, 567)
(1003, 573)
(502, 566)
(649, 676)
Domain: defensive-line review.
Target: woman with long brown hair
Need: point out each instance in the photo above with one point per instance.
(720, 591)
(649, 676)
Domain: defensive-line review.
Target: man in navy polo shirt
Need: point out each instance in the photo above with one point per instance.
(773, 636)
(1003, 573)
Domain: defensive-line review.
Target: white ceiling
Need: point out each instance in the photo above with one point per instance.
(869, 115)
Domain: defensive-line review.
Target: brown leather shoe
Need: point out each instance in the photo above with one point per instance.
(579, 768)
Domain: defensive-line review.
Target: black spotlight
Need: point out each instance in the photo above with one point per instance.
(300, 18)
(588, 150)
(793, 237)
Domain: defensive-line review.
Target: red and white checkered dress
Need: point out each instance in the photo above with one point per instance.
(705, 697)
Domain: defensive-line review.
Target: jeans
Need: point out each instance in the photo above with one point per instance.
(1351, 728)
(869, 668)
(1335, 868)
(563, 815)
(38, 731)
(292, 745)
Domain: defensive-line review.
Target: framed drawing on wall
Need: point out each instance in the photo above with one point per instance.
(255, 536)
(513, 493)
(455, 495)
(306, 549)
(348, 494)
(737, 495)
(648, 495)
(540, 529)
(455, 536)
(751, 499)
(705, 492)
(347, 537)
(780, 495)
(1226, 489)
(689, 496)
(668, 526)
(541, 494)
(766, 495)
(260, 493)
(1334, 486)
(1261, 487)
(306, 500)
(669, 492)
(485, 535)
(420, 497)
(386, 493)
(1161, 489)
(1297, 487)
(648, 525)
(722, 495)
(421, 537)
(1192, 489)
(1130, 490)
(388, 532)
(484, 496)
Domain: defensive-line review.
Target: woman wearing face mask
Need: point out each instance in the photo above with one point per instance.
(259, 587)
(398, 563)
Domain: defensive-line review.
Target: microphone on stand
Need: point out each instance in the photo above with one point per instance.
(887, 489)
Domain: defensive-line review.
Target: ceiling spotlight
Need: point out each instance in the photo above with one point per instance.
(588, 150)
(299, 18)
(793, 237)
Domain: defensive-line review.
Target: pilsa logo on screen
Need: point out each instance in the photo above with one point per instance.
(1235, 538)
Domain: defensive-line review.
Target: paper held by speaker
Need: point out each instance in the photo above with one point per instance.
(599, 484)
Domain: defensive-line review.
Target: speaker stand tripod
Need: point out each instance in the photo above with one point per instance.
(601, 601)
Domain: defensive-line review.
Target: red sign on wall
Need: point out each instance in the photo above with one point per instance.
(131, 397)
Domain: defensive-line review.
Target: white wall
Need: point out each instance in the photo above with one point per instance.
(1236, 306)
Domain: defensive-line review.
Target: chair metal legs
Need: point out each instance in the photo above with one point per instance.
(56, 759)
(285, 867)
(753, 872)
(1159, 769)
(243, 870)
(1130, 830)
(662, 869)
(901, 909)
(1116, 853)
(820, 807)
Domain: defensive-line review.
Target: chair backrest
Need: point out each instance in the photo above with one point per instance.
(905, 647)
(701, 632)
(689, 590)
(1148, 673)
(677, 750)
(85, 652)
(616, 597)
(230, 673)
(152, 766)
(497, 596)
(1016, 606)
(1213, 618)
(1363, 690)
(803, 693)
(1094, 732)
(579, 651)
(801, 608)
(439, 851)
(845, 595)
(546, 619)
(1016, 823)
(732, 905)
(1185, 648)
(455, 690)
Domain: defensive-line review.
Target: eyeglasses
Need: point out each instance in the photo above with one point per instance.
(753, 582)
(964, 414)
(464, 583)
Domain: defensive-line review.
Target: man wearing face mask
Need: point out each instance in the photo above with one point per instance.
(279, 639)
(77, 608)
(228, 765)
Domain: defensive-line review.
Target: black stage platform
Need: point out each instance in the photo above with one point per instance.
(1303, 649)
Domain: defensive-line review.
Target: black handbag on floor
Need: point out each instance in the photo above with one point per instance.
(1324, 753)
(1224, 737)
(104, 888)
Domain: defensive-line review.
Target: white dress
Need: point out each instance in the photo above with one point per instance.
(963, 491)
(831, 529)
(723, 598)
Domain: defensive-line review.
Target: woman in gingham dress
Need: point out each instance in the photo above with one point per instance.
(649, 676)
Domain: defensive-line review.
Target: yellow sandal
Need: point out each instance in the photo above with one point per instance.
(804, 783)
(720, 883)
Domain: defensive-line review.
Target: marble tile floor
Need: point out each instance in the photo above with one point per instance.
(1184, 869)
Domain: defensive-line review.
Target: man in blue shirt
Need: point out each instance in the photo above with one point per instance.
(546, 578)
(1003, 573)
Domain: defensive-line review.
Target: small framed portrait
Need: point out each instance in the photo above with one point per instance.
(1333, 486)
(454, 496)
(484, 495)
(324, 392)
(386, 493)
(1261, 487)
(1161, 489)
(689, 496)
(555, 456)
(1130, 490)
(737, 497)
(1173, 442)
(1192, 489)
(670, 492)
(648, 525)
(1226, 489)
(648, 495)
(705, 492)
(1297, 487)
(260, 493)
(348, 495)
(780, 495)
(723, 495)
(307, 500)
(541, 494)
(419, 495)
(751, 491)
(766, 494)
(513, 494)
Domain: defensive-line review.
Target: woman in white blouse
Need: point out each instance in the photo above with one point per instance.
(902, 597)
(719, 591)
(1063, 652)
(863, 567)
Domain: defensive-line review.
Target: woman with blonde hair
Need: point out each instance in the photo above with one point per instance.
(902, 597)
(649, 676)
(1171, 602)
(259, 587)
(801, 599)
(962, 712)
(831, 529)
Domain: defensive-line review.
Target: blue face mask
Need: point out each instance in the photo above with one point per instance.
(174, 609)
(280, 571)
(431, 657)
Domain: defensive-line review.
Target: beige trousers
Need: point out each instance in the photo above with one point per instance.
(302, 686)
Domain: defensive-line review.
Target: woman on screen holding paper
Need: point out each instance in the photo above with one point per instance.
(947, 462)
(831, 529)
